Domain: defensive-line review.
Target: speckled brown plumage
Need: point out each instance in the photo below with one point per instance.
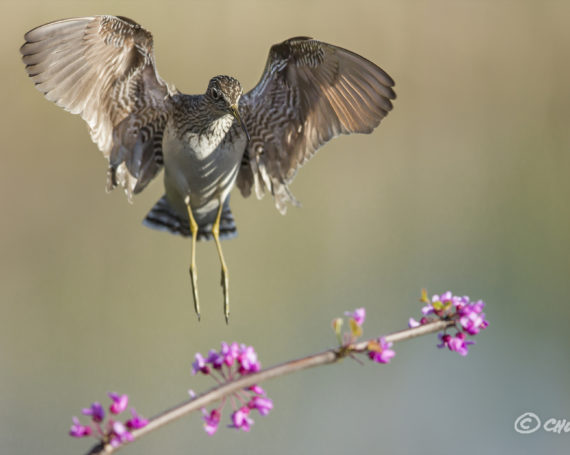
(103, 69)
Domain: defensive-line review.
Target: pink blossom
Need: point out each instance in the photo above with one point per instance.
(120, 403)
(456, 343)
(79, 431)
(96, 412)
(247, 360)
(472, 318)
(120, 434)
(380, 351)
(241, 419)
(225, 364)
(262, 404)
(215, 359)
(413, 323)
(200, 365)
(256, 389)
(359, 315)
(136, 421)
(211, 421)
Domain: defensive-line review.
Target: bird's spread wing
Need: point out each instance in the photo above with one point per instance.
(309, 93)
(103, 69)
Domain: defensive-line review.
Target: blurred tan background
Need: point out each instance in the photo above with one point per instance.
(465, 186)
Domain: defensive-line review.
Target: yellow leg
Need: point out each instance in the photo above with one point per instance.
(225, 279)
(193, 271)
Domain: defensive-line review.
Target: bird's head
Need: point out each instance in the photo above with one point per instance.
(224, 93)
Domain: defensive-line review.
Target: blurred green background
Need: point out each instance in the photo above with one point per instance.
(465, 186)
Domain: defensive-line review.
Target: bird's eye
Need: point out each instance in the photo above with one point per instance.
(215, 93)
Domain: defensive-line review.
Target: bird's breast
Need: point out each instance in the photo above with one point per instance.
(201, 144)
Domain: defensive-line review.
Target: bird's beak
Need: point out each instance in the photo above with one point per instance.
(235, 113)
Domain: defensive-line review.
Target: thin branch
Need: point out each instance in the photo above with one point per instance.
(322, 358)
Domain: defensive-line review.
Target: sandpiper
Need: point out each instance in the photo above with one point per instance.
(103, 69)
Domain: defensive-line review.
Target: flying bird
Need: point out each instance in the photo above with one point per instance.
(103, 69)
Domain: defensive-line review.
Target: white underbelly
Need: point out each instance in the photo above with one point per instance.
(205, 171)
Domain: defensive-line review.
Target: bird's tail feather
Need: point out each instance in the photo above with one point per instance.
(163, 218)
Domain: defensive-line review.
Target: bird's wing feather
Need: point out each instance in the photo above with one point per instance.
(103, 69)
(309, 93)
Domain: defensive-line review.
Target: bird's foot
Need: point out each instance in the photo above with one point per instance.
(194, 280)
(225, 283)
